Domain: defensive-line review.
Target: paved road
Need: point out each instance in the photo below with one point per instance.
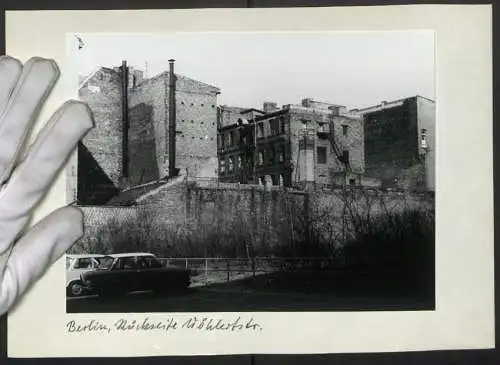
(214, 300)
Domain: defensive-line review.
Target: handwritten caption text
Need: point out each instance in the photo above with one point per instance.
(148, 324)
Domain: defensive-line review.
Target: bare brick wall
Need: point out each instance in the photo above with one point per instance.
(196, 119)
(189, 201)
(368, 201)
(101, 149)
(186, 207)
(143, 157)
(168, 205)
(352, 141)
(266, 214)
(103, 94)
(391, 144)
(97, 217)
(148, 113)
(196, 124)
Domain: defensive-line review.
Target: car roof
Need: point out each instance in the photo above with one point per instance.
(79, 256)
(129, 254)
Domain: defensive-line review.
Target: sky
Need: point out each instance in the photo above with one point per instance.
(355, 69)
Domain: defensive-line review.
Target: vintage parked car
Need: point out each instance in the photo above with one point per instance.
(75, 266)
(127, 272)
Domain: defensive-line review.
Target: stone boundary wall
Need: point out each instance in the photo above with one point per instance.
(256, 213)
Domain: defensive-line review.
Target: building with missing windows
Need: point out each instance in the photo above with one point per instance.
(400, 143)
(309, 144)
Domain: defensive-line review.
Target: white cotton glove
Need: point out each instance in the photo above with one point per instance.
(25, 179)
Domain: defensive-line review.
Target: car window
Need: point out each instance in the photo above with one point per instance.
(69, 260)
(106, 262)
(142, 263)
(154, 263)
(149, 263)
(95, 262)
(125, 263)
(83, 263)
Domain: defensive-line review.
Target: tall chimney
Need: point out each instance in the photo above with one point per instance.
(171, 121)
(125, 120)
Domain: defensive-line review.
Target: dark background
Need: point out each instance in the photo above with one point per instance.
(482, 357)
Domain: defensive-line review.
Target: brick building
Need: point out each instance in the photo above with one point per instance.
(400, 143)
(292, 145)
(129, 145)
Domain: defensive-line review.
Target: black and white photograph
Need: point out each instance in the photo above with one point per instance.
(255, 172)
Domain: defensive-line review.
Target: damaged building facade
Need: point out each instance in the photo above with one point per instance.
(143, 127)
(319, 144)
(309, 144)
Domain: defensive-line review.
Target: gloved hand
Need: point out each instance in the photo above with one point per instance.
(26, 177)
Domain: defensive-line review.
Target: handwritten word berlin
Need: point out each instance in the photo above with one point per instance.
(169, 324)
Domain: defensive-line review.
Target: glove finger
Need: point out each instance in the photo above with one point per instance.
(32, 177)
(42, 245)
(10, 70)
(32, 89)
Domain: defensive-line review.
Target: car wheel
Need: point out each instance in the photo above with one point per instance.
(75, 289)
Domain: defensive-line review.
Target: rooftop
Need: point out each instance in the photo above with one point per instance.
(164, 74)
(129, 254)
(389, 104)
(84, 80)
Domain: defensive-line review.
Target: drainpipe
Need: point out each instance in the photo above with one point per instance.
(171, 121)
(125, 119)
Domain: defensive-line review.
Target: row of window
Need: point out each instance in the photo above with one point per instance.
(267, 157)
(234, 163)
(228, 139)
(323, 127)
(270, 157)
(277, 126)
